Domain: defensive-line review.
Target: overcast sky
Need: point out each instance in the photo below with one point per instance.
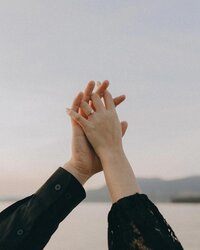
(149, 50)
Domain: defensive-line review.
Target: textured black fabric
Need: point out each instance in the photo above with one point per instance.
(29, 223)
(135, 223)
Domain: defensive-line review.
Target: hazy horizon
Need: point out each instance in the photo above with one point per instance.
(49, 51)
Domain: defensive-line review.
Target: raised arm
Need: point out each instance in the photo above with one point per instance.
(134, 222)
(30, 222)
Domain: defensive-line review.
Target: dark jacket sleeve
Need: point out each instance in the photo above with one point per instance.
(29, 223)
(135, 223)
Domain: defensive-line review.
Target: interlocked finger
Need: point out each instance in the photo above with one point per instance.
(98, 104)
(88, 91)
(109, 103)
(86, 108)
(101, 87)
(77, 101)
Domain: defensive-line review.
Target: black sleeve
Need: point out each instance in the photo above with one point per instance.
(29, 223)
(135, 223)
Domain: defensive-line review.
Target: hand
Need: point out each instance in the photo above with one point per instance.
(102, 128)
(84, 161)
(103, 131)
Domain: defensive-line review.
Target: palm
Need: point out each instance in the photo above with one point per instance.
(83, 152)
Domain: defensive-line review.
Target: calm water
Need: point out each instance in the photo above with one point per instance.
(86, 227)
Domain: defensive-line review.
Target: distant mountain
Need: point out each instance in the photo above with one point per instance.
(158, 190)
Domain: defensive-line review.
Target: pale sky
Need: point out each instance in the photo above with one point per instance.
(49, 50)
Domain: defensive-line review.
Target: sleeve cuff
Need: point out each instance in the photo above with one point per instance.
(61, 185)
(35, 218)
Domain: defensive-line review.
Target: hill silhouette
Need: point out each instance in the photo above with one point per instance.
(158, 190)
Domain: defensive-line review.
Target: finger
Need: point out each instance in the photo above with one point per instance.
(87, 94)
(78, 118)
(86, 108)
(108, 100)
(102, 87)
(124, 126)
(77, 101)
(88, 91)
(75, 106)
(92, 105)
(97, 103)
(119, 99)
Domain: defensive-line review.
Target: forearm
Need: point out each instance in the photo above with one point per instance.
(29, 223)
(119, 175)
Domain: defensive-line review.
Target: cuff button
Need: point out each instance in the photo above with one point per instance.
(57, 187)
(20, 232)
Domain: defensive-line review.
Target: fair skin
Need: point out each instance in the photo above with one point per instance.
(84, 161)
(104, 132)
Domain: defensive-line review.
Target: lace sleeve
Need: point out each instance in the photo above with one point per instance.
(135, 223)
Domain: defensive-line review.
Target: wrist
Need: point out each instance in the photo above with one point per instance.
(112, 156)
(119, 176)
(72, 169)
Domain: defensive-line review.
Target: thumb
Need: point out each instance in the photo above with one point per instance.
(124, 126)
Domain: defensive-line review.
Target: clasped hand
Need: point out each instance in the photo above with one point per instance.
(95, 135)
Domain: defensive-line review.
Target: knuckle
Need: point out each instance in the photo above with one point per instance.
(86, 97)
(83, 104)
(78, 117)
(94, 96)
